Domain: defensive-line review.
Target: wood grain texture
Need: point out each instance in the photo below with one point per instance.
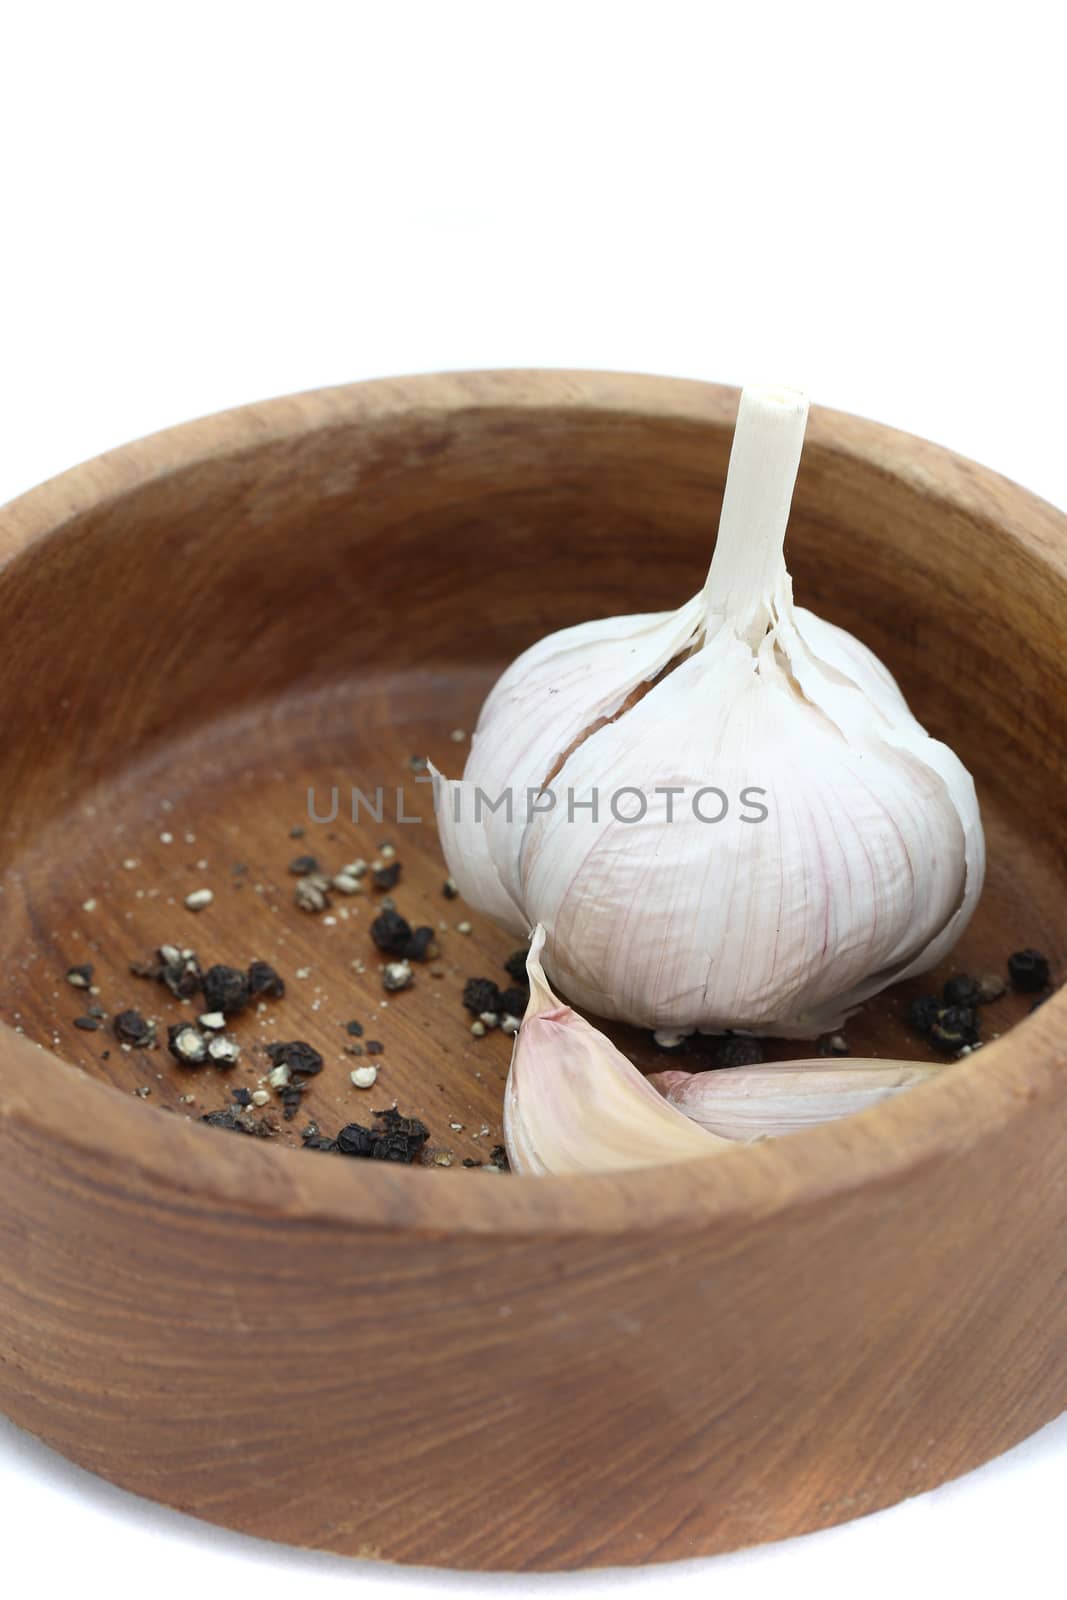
(450, 1366)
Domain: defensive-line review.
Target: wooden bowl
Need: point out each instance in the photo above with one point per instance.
(455, 1366)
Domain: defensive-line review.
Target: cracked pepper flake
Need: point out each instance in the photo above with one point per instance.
(133, 1029)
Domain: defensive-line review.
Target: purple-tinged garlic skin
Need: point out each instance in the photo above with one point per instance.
(783, 1097)
(573, 1103)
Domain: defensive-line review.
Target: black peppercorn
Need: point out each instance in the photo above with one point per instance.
(515, 967)
(738, 1053)
(1028, 971)
(300, 866)
(226, 990)
(513, 1002)
(86, 1024)
(263, 980)
(387, 877)
(419, 946)
(962, 990)
(391, 932)
(923, 1013)
(956, 1026)
(481, 995)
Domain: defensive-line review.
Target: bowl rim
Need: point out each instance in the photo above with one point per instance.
(965, 1105)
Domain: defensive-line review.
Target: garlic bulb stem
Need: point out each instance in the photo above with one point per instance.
(749, 564)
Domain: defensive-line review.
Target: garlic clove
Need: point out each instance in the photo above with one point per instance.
(726, 925)
(783, 1097)
(587, 674)
(574, 1103)
(466, 846)
(848, 681)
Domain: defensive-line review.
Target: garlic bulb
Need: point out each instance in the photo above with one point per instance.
(573, 1103)
(726, 815)
(781, 1097)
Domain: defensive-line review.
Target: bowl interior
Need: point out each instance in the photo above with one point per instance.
(211, 645)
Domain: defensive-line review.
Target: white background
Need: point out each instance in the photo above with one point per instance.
(203, 204)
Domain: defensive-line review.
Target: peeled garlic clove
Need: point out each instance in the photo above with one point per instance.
(782, 1097)
(573, 1103)
(850, 854)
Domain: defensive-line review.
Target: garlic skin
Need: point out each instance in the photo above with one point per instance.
(573, 1103)
(865, 869)
(782, 1097)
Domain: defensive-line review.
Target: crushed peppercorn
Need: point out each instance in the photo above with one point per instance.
(186, 1044)
(240, 1121)
(955, 1027)
(177, 969)
(397, 1138)
(302, 1060)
